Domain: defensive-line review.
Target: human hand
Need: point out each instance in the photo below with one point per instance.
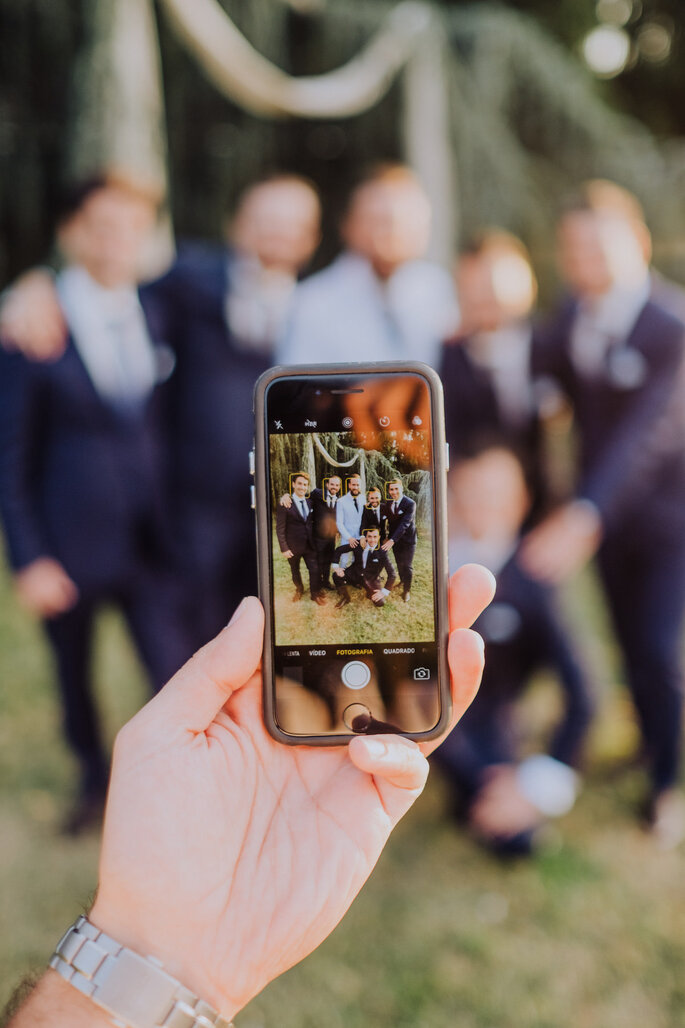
(230, 856)
(500, 810)
(339, 572)
(354, 543)
(45, 589)
(288, 554)
(388, 545)
(378, 595)
(286, 501)
(562, 543)
(31, 319)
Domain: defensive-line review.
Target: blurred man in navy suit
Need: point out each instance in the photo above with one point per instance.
(502, 798)
(81, 466)
(618, 357)
(400, 512)
(223, 309)
(492, 387)
(220, 309)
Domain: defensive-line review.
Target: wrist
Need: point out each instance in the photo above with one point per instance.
(133, 988)
(159, 946)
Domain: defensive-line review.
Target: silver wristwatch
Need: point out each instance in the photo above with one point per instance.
(135, 990)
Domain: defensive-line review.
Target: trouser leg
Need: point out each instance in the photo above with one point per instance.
(645, 588)
(153, 606)
(404, 558)
(312, 564)
(71, 637)
(295, 573)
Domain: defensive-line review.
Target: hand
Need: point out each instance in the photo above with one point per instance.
(31, 318)
(230, 856)
(45, 589)
(501, 810)
(354, 543)
(286, 501)
(378, 595)
(339, 572)
(562, 543)
(288, 554)
(388, 545)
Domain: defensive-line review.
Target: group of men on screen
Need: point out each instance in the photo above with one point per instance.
(308, 526)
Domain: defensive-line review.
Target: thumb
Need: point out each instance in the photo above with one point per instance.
(398, 767)
(196, 694)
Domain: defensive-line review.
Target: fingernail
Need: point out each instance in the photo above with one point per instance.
(375, 748)
(238, 613)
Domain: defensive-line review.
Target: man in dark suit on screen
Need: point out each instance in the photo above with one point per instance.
(295, 532)
(400, 512)
(370, 560)
(619, 358)
(373, 515)
(324, 502)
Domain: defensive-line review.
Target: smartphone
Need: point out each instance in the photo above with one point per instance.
(350, 478)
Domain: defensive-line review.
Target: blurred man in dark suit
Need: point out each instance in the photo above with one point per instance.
(400, 512)
(224, 309)
(502, 797)
(81, 467)
(368, 563)
(295, 532)
(618, 357)
(492, 387)
(220, 309)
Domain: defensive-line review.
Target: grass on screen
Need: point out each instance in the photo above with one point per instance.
(590, 934)
(359, 622)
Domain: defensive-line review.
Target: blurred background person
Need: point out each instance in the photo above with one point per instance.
(81, 467)
(489, 369)
(504, 798)
(220, 310)
(618, 357)
(380, 299)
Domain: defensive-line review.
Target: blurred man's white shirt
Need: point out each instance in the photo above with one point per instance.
(346, 313)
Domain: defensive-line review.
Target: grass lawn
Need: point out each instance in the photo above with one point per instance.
(591, 934)
(360, 622)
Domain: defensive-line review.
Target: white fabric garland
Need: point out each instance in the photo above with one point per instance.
(331, 460)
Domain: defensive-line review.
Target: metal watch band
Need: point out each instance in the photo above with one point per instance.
(135, 990)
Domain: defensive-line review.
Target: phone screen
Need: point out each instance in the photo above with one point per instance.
(352, 551)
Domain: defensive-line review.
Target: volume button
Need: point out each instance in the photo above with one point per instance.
(447, 457)
(251, 460)
(252, 498)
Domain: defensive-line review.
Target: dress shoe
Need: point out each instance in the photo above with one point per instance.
(318, 598)
(666, 818)
(406, 596)
(342, 602)
(299, 593)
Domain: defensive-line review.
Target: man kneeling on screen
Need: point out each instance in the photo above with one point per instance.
(365, 570)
